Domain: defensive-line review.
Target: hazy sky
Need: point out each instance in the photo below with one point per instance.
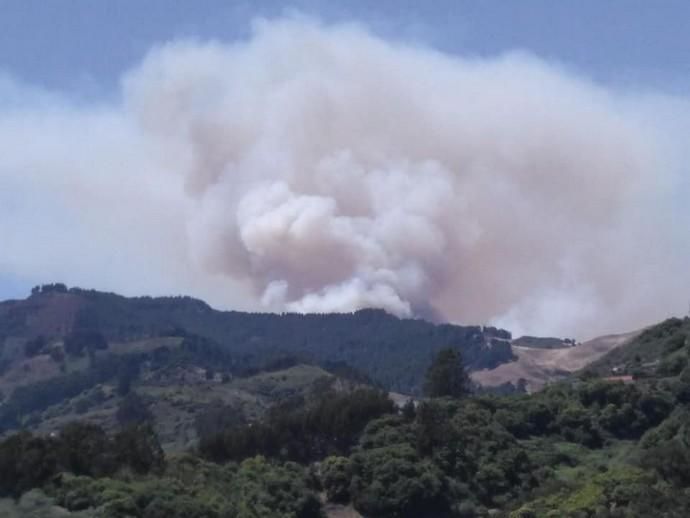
(78, 50)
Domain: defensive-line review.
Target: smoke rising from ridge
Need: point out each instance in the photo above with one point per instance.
(320, 169)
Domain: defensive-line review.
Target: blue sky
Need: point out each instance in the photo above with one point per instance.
(78, 50)
(83, 46)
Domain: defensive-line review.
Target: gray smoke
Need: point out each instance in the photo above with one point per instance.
(320, 169)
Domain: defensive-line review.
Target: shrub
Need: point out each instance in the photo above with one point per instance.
(336, 474)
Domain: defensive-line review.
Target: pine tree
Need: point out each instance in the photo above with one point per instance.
(446, 377)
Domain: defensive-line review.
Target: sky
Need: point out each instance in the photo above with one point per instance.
(83, 46)
(90, 62)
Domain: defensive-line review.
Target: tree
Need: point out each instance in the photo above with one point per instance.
(272, 490)
(76, 342)
(85, 449)
(446, 377)
(409, 411)
(393, 481)
(26, 461)
(34, 346)
(131, 410)
(336, 475)
(127, 372)
(138, 447)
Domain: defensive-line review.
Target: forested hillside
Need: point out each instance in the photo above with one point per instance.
(116, 407)
(660, 350)
(587, 449)
(393, 352)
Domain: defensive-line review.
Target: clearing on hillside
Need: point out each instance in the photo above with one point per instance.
(539, 366)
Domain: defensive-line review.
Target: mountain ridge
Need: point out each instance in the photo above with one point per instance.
(393, 352)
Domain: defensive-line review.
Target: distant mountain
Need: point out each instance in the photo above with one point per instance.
(392, 352)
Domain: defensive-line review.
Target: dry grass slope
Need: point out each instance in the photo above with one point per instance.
(540, 366)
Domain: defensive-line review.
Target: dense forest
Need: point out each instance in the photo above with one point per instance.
(391, 351)
(589, 447)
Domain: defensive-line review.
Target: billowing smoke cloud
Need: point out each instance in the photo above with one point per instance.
(320, 169)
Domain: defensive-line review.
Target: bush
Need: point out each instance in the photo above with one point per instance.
(672, 365)
(336, 474)
(25, 462)
(394, 482)
(274, 491)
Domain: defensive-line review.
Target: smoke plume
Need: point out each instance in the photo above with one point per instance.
(315, 168)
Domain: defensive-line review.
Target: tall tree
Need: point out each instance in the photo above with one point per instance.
(446, 377)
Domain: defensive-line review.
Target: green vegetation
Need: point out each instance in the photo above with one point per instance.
(300, 432)
(392, 352)
(77, 342)
(582, 449)
(446, 377)
(544, 342)
(28, 461)
(561, 451)
(249, 431)
(658, 350)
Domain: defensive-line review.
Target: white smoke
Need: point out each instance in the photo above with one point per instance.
(321, 169)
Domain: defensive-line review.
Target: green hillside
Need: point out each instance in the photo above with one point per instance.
(588, 449)
(660, 350)
(391, 351)
(133, 414)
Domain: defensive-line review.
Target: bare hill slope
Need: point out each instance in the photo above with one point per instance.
(539, 366)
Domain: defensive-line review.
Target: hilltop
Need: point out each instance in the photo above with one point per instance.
(72, 354)
(392, 352)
